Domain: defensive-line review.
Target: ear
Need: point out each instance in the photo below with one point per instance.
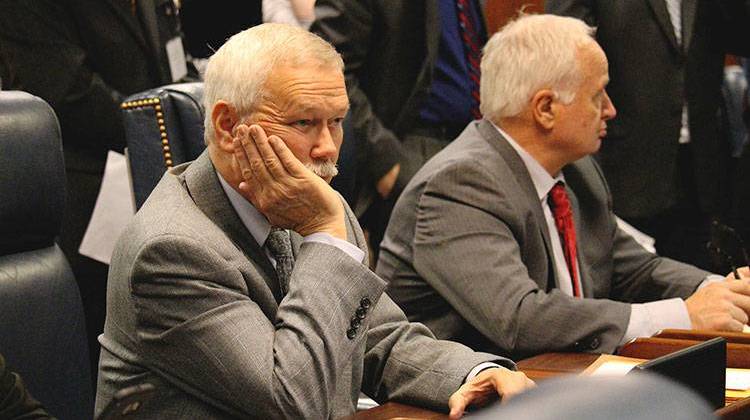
(224, 117)
(544, 108)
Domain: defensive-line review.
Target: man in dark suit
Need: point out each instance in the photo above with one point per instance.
(83, 57)
(663, 156)
(239, 289)
(506, 240)
(412, 76)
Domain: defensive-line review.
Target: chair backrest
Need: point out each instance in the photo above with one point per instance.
(163, 128)
(42, 327)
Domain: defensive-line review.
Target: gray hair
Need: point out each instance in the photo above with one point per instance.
(237, 72)
(531, 53)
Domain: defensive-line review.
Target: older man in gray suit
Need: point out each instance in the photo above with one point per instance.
(506, 240)
(239, 289)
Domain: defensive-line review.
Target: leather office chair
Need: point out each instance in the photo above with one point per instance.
(163, 128)
(42, 328)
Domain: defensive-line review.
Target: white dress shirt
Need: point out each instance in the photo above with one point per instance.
(645, 318)
(674, 8)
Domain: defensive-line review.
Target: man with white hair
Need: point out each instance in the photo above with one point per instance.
(240, 288)
(506, 240)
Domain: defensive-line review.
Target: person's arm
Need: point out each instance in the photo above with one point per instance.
(304, 10)
(298, 13)
(349, 26)
(466, 247)
(49, 59)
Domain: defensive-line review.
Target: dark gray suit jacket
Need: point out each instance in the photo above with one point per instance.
(192, 307)
(652, 76)
(468, 253)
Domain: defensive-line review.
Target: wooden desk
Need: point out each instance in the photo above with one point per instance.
(549, 365)
(538, 368)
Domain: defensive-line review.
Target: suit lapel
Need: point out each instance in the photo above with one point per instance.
(494, 138)
(659, 8)
(688, 22)
(130, 21)
(203, 185)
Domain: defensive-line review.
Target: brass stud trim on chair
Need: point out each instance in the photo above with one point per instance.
(156, 104)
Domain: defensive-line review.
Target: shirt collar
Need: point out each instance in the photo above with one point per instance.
(254, 221)
(541, 179)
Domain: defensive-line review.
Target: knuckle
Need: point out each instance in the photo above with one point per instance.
(255, 165)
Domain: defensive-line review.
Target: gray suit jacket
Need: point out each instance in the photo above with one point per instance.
(193, 307)
(468, 253)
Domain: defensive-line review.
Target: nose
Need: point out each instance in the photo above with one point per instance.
(325, 146)
(608, 111)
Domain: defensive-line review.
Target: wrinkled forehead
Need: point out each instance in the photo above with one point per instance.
(307, 88)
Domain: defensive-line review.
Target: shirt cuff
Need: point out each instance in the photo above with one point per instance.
(711, 278)
(478, 368)
(347, 247)
(646, 319)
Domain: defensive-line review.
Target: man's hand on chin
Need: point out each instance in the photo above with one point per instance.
(283, 189)
(486, 386)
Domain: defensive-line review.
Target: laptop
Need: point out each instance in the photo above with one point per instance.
(701, 367)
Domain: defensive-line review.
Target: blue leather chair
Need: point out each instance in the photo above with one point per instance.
(163, 128)
(42, 328)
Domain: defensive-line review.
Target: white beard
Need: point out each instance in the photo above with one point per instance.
(323, 168)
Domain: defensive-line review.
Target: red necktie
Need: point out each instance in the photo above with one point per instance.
(473, 52)
(561, 210)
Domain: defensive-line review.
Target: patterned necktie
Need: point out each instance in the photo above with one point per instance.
(473, 51)
(279, 244)
(561, 210)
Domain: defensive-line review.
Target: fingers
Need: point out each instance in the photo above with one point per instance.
(487, 384)
(242, 153)
(738, 315)
(289, 162)
(517, 383)
(744, 272)
(457, 403)
(270, 161)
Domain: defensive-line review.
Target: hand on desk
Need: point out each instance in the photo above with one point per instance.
(723, 305)
(487, 385)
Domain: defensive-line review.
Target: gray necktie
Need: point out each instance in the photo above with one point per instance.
(279, 244)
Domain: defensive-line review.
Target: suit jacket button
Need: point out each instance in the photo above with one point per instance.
(365, 303)
(355, 322)
(351, 333)
(594, 343)
(361, 313)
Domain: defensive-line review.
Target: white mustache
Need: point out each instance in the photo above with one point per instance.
(323, 168)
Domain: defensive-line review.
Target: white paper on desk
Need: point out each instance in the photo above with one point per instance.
(738, 379)
(614, 368)
(113, 210)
